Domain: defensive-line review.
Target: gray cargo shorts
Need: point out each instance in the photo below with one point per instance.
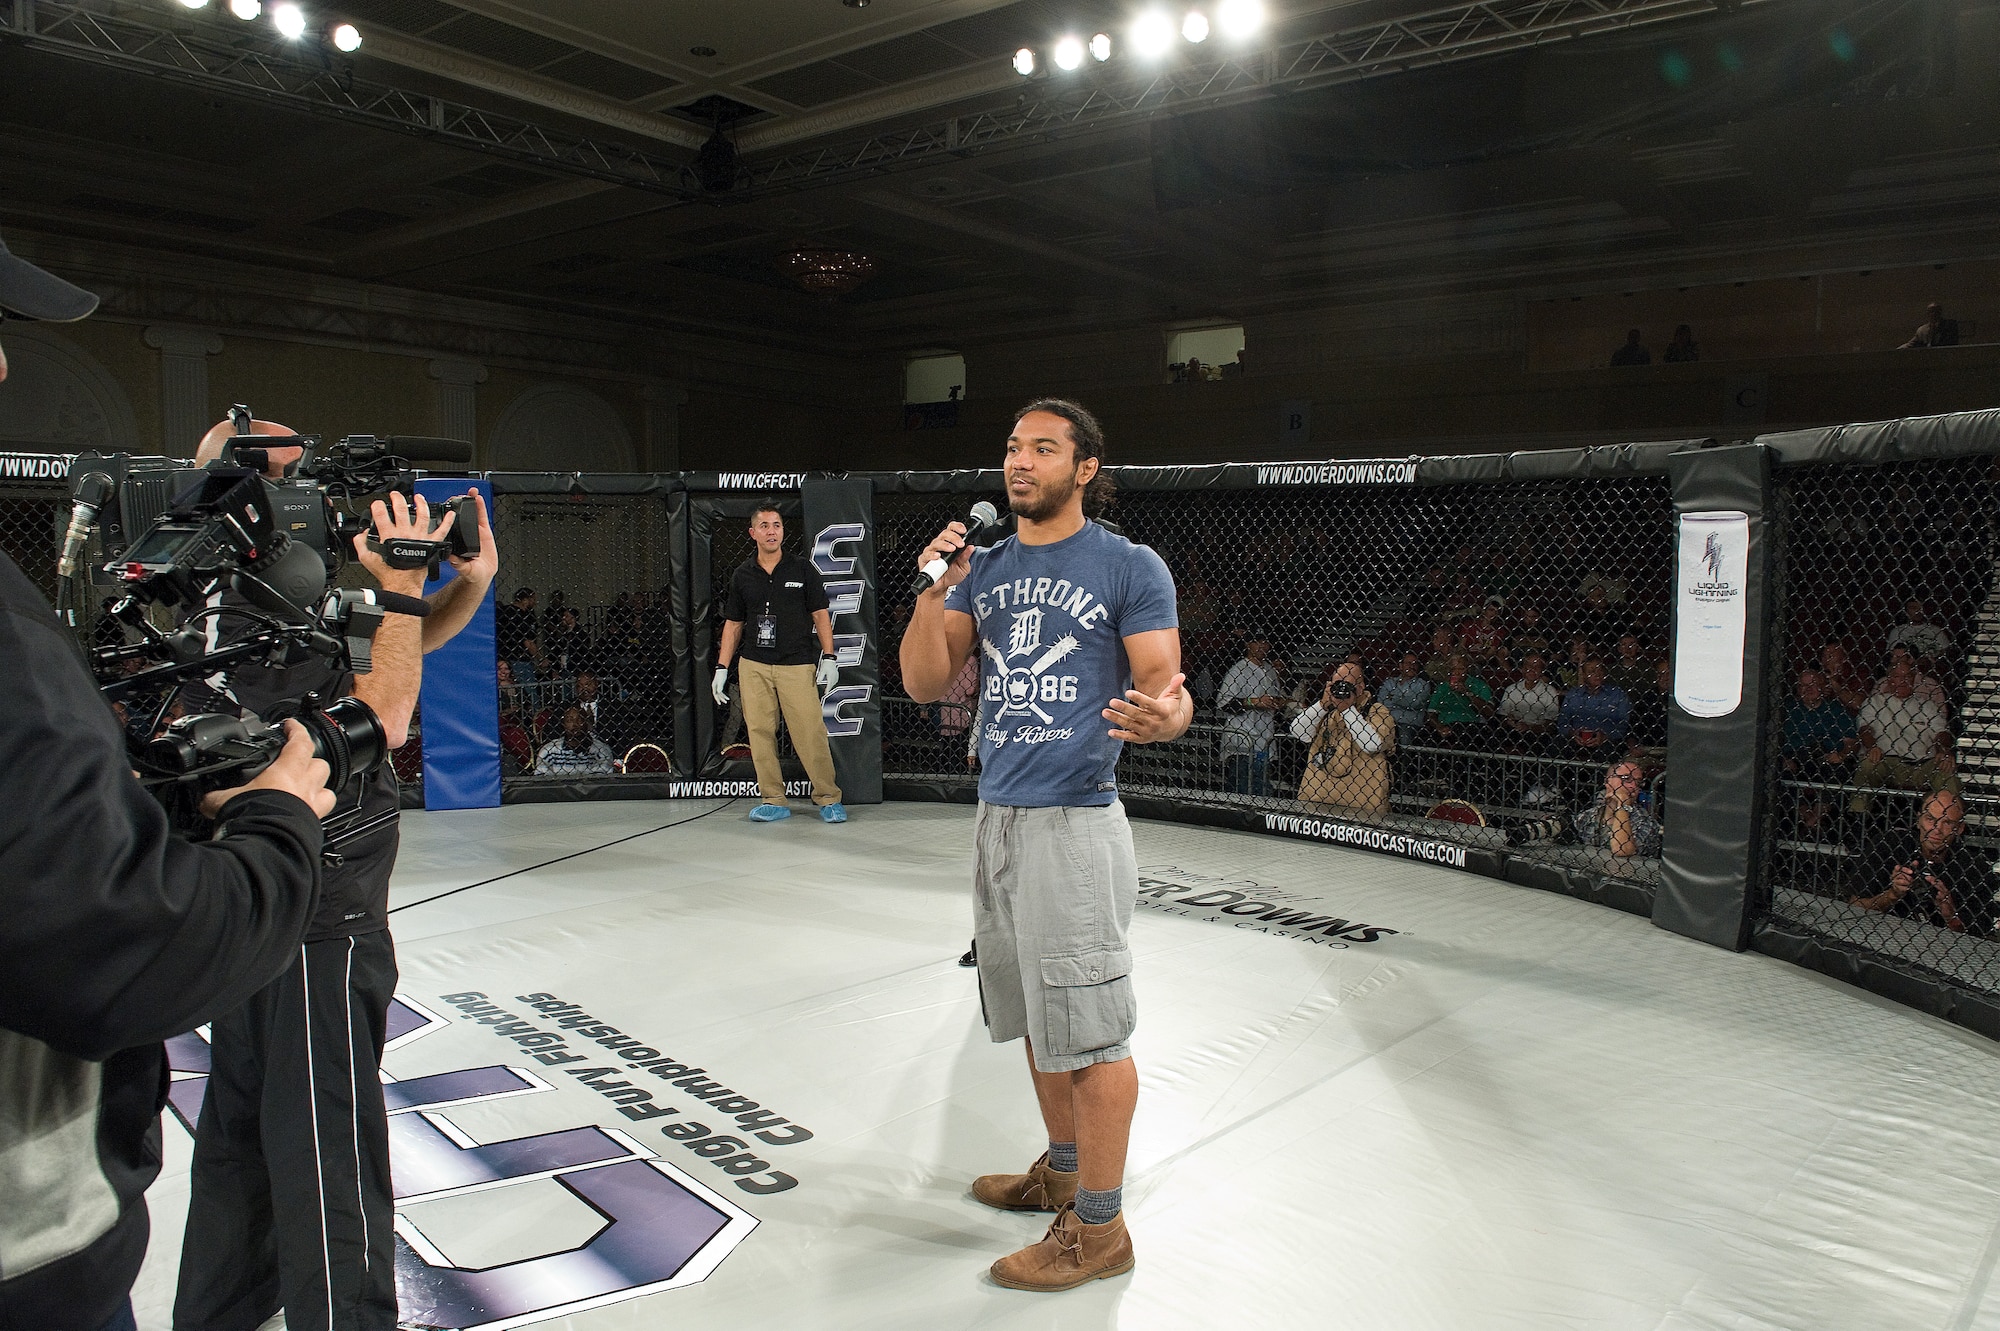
(1052, 893)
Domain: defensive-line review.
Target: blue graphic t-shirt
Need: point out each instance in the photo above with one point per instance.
(1052, 620)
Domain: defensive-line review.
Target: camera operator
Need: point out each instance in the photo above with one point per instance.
(1931, 877)
(119, 933)
(1352, 737)
(290, 1199)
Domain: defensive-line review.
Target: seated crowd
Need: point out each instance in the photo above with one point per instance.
(574, 700)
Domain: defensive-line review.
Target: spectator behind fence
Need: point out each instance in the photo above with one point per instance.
(1426, 601)
(565, 643)
(1630, 671)
(517, 635)
(1646, 735)
(1580, 652)
(1407, 694)
(1633, 352)
(1528, 636)
(1933, 876)
(1351, 738)
(1934, 331)
(1925, 686)
(1247, 702)
(1818, 743)
(1906, 739)
(1444, 646)
(1597, 618)
(1848, 683)
(1683, 348)
(1619, 819)
(577, 752)
(1483, 640)
(1920, 634)
(1594, 713)
(1460, 704)
(1531, 704)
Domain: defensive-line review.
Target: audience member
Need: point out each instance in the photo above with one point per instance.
(1460, 704)
(1483, 640)
(1464, 602)
(1501, 578)
(1934, 331)
(1923, 685)
(1528, 635)
(1906, 741)
(1248, 701)
(1847, 682)
(1617, 589)
(1351, 737)
(1818, 743)
(1633, 352)
(1683, 348)
(1444, 646)
(517, 635)
(565, 643)
(1916, 631)
(1597, 618)
(1932, 877)
(1646, 735)
(1580, 652)
(1407, 694)
(576, 752)
(1426, 601)
(1630, 671)
(1618, 819)
(1594, 713)
(1531, 704)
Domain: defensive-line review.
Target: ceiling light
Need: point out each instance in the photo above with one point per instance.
(289, 20)
(1195, 26)
(195, 4)
(826, 272)
(1100, 48)
(1152, 34)
(346, 37)
(1069, 53)
(1024, 62)
(246, 9)
(1239, 19)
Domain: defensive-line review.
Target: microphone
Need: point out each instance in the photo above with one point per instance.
(398, 604)
(91, 492)
(430, 450)
(983, 515)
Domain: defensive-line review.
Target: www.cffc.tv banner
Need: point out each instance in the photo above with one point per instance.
(840, 527)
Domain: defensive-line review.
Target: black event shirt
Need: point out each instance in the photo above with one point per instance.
(790, 593)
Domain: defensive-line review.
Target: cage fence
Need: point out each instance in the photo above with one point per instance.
(1481, 663)
(1883, 780)
(583, 637)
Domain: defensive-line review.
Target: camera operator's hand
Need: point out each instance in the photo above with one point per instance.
(295, 771)
(398, 517)
(949, 545)
(483, 567)
(1902, 879)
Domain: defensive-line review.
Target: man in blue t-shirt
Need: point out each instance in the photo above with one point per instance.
(1074, 628)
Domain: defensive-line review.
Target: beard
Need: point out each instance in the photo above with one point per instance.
(1049, 499)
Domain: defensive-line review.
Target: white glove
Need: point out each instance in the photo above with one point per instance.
(828, 673)
(720, 686)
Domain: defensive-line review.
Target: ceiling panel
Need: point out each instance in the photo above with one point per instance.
(610, 78)
(816, 85)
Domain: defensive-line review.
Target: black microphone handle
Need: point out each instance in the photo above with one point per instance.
(398, 604)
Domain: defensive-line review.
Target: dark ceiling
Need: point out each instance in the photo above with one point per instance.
(1793, 132)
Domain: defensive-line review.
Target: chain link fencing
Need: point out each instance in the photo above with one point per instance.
(1481, 664)
(584, 639)
(1883, 815)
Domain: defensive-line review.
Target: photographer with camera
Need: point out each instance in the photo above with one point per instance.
(1351, 737)
(119, 934)
(290, 1199)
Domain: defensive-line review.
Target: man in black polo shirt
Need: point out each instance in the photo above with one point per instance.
(783, 601)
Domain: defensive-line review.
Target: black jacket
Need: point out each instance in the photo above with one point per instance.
(117, 934)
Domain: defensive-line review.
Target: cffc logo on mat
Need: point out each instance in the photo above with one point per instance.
(661, 1229)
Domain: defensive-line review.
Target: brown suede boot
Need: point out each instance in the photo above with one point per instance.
(1040, 1189)
(1070, 1254)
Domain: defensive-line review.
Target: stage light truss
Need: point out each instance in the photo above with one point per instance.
(1064, 107)
(317, 80)
(165, 44)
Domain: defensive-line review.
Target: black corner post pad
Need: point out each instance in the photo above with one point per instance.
(1716, 776)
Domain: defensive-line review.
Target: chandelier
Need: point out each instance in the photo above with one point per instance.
(827, 272)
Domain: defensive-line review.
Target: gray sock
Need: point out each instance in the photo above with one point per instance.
(1062, 1157)
(1098, 1208)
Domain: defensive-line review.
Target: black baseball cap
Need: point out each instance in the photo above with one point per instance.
(26, 292)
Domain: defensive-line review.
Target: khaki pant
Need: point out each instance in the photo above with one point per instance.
(768, 690)
(1900, 774)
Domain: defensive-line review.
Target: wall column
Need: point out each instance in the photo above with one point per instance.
(458, 399)
(184, 411)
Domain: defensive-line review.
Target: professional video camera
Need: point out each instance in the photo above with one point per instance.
(177, 536)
